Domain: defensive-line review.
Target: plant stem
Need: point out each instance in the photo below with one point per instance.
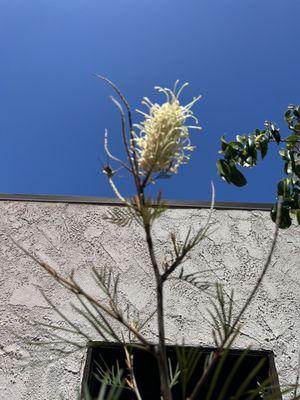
(161, 350)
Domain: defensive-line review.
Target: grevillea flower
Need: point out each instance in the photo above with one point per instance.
(163, 140)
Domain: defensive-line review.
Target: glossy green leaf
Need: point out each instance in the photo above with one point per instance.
(276, 135)
(297, 170)
(224, 144)
(223, 169)
(263, 148)
(237, 178)
(284, 154)
(251, 142)
(282, 188)
(297, 112)
(229, 152)
(292, 140)
(241, 138)
(285, 218)
(230, 173)
(236, 145)
(250, 160)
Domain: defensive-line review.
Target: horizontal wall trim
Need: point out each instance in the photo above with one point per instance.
(114, 202)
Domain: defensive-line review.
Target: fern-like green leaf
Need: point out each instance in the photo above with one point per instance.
(120, 216)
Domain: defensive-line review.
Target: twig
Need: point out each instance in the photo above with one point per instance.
(132, 381)
(67, 283)
(110, 155)
(135, 175)
(125, 102)
(232, 329)
(201, 233)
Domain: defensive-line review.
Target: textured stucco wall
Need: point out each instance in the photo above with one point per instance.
(75, 236)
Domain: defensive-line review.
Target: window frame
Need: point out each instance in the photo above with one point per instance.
(269, 354)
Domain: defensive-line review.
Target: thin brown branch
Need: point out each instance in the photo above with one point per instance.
(131, 145)
(131, 382)
(111, 156)
(74, 288)
(126, 146)
(227, 342)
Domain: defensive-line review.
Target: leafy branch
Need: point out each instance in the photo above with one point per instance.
(244, 153)
(70, 284)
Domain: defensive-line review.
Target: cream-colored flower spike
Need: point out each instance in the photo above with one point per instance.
(163, 140)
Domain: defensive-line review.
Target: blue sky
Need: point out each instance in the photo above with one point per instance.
(242, 56)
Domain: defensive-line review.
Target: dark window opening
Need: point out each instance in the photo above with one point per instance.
(108, 354)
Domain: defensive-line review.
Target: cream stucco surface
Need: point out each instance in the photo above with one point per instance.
(77, 237)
